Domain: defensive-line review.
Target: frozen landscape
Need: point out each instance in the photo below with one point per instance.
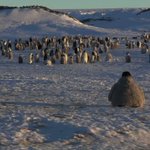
(66, 107)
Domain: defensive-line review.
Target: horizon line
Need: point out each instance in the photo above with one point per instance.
(11, 6)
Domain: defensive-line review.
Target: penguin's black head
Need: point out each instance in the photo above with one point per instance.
(126, 74)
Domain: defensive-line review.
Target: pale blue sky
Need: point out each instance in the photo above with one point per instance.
(79, 4)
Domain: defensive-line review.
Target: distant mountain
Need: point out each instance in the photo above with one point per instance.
(6, 7)
(144, 11)
(123, 19)
(33, 7)
(40, 21)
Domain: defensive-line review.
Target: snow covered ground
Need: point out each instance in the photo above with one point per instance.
(66, 106)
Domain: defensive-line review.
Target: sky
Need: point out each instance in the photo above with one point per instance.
(79, 4)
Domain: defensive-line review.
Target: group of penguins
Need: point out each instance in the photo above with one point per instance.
(64, 58)
(69, 52)
(126, 92)
(69, 49)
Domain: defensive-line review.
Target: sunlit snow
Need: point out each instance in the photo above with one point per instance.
(66, 106)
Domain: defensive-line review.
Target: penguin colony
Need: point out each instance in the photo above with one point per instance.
(71, 49)
(83, 49)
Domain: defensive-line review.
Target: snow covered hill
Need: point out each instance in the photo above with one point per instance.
(124, 19)
(41, 21)
(37, 21)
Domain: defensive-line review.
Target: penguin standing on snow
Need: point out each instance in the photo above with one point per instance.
(64, 58)
(20, 59)
(126, 92)
(37, 57)
(94, 57)
(31, 58)
(85, 57)
(109, 57)
(128, 57)
(10, 54)
(71, 59)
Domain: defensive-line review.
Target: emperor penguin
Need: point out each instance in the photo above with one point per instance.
(31, 58)
(128, 57)
(109, 57)
(126, 92)
(85, 57)
(64, 58)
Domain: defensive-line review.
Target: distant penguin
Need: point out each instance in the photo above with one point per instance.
(109, 57)
(85, 57)
(20, 59)
(31, 58)
(53, 59)
(106, 48)
(10, 54)
(71, 59)
(37, 57)
(45, 57)
(64, 58)
(100, 50)
(94, 57)
(139, 44)
(48, 62)
(99, 58)
(126, 92)
(58, 53)
(78, 58)
(128, 57)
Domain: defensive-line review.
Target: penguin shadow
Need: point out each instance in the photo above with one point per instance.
(55, 131)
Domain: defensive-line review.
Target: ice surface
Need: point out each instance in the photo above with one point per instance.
(66, 106)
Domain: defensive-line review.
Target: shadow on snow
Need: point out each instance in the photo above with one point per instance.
(55, 131)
